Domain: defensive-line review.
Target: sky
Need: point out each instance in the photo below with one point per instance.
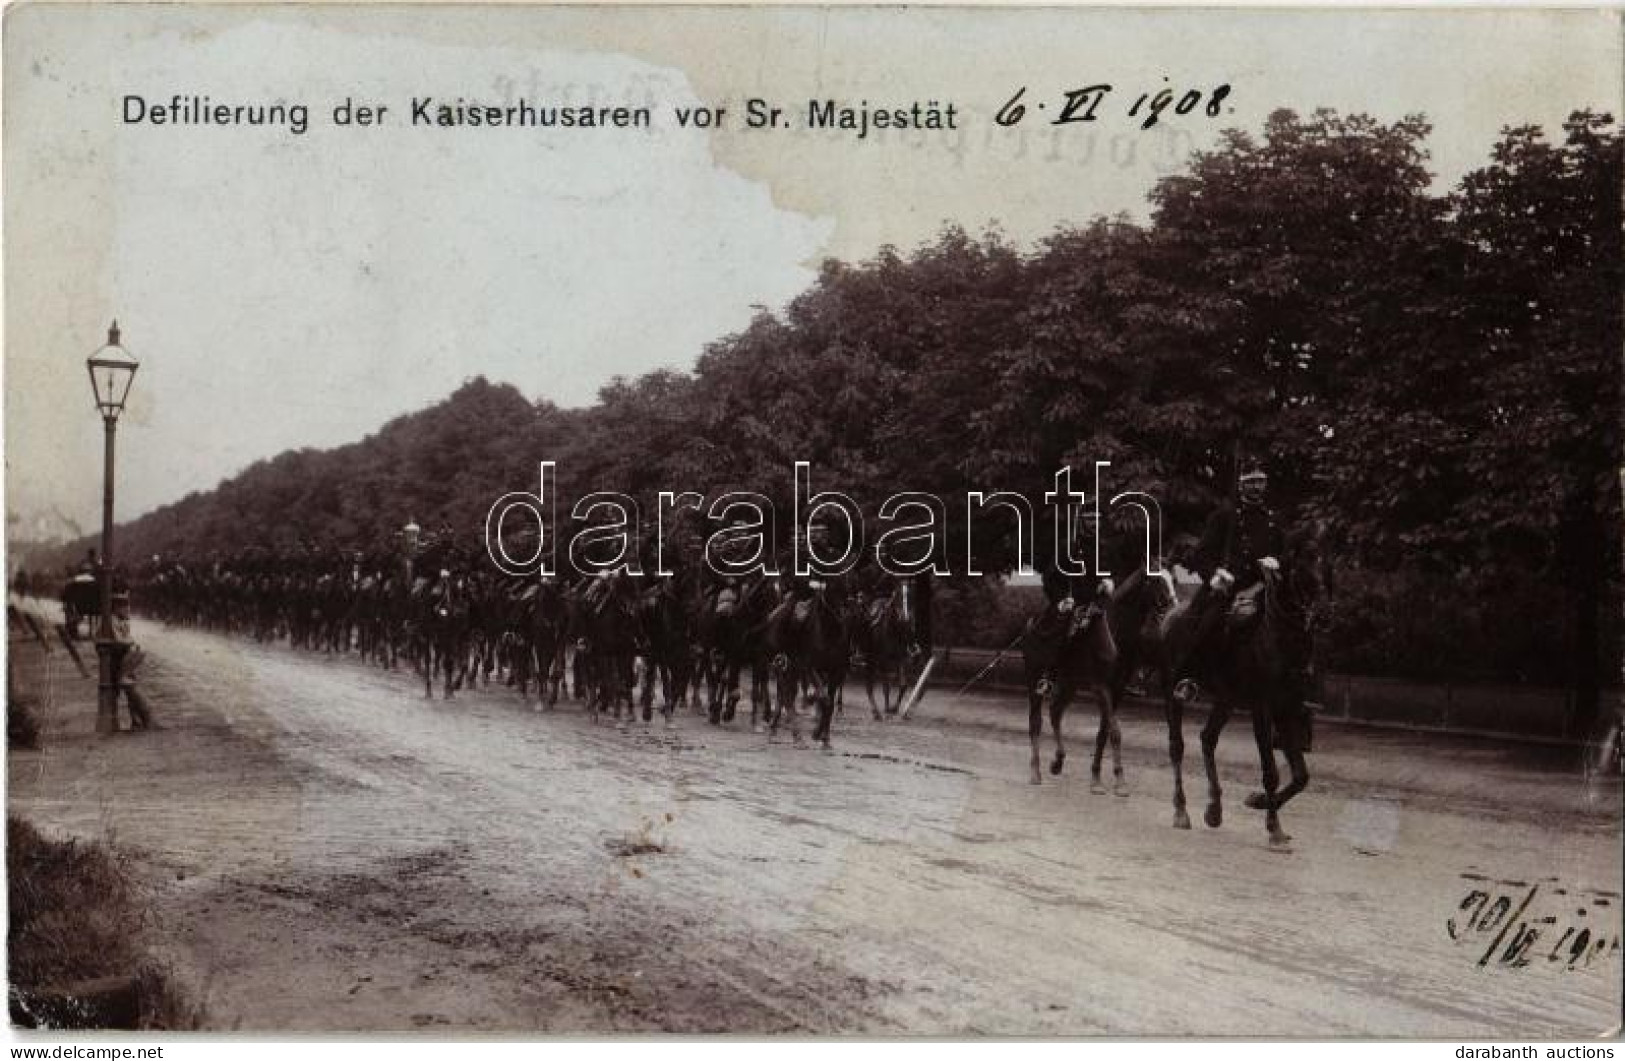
(284, 291)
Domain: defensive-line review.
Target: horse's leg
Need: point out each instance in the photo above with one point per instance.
(761, 709)
(681, 675)
(622, 689)
(555, 675)
(651, 674)
(1035, 728)
(730, 705)
(785, 709)
(824, 691)
(1108, 723)
(1176, 757)
(1220, 713)
(1299, 766)
(1102, 738)
(717, 665)
(1264, 734)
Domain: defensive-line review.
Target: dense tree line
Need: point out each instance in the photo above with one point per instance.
(1433, 377)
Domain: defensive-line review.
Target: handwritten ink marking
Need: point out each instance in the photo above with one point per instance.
(1502, 934)
(1500, 911)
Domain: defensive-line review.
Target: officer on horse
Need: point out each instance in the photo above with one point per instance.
(1240, 543)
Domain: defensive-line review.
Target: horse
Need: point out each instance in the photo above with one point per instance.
(811, 653)
(732, 628)
(606, 645)
(885, 637)
(536, 640)
(1059, 657)
(443, 633)
(665, 627)
(1246, 667)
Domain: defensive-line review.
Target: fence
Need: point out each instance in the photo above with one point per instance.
(1488, 709)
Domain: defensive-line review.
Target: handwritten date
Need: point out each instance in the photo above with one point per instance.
(1515, 930)
(1084, 105)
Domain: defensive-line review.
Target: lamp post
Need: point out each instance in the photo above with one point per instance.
(112, 369)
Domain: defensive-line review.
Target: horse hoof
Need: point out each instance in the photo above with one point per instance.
(877, 716)
(1280, 841)
(1257, 801)
(1214, 815)
(1057, 763)
(1038, 778)
(1181, 819)
(1096, 786)
(1120, 788)
(826, 746)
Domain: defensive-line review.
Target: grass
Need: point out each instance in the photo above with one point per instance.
(75, 916)
(22, 728)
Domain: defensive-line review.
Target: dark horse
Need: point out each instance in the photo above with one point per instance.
(536, 640)
(606, 645)
(885, 639)
(1058, 661)
(665, 628)
(444, 620)
(811, 653)
(731, 629)
(1247, 667)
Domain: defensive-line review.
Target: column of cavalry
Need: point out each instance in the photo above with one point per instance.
(699, 637)
(624, 644)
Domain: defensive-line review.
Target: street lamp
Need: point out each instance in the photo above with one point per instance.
(112, 369)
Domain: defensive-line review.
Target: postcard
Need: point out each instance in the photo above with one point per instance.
(814, 521)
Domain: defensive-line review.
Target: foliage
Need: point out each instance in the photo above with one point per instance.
(1434, 379)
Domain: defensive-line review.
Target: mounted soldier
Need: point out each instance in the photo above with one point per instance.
(874, 591)
(1069, 647)
(1242, 544)
(803, 592)
(1077, 602)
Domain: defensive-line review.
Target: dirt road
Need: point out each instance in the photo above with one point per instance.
(329, 850)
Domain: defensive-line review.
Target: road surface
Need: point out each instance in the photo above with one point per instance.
(327, 849)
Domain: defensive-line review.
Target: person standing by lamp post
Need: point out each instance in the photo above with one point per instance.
(112, 369)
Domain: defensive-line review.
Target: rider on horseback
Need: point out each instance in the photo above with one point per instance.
(1078, 600)
(875, 591)
(1239, 544)
(802, 592)
(1076, 603)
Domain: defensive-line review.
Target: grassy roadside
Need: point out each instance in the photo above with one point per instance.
(74, 940)
(74, 947)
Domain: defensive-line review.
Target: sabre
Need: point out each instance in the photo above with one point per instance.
(994, 662)
(919, 685)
